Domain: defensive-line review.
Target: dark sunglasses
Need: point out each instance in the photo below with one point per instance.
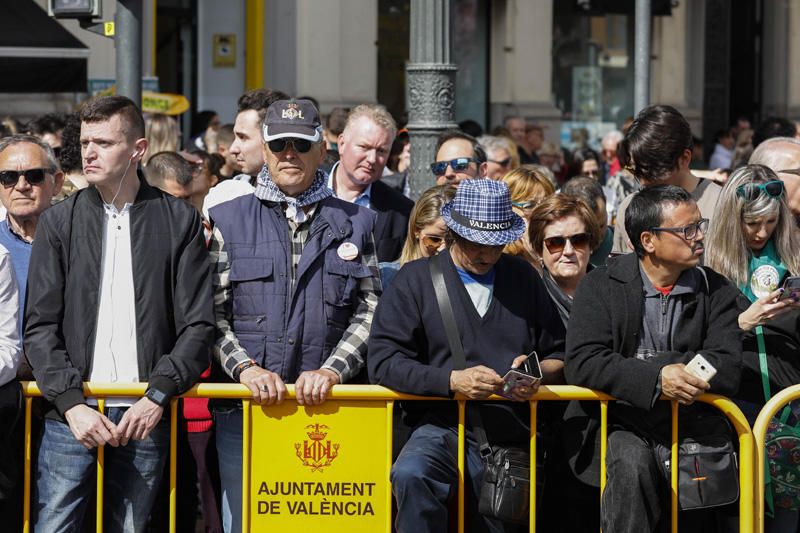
(503, 163)
(432, 242)
(301, 146)
(459, 164)
(751, 191)
(556, 244)
(34, 176)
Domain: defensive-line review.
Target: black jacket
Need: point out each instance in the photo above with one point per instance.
(408, 347)
(391, 226)
(171, 278)
(602, 339)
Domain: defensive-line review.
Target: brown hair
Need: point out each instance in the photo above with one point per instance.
(102, 108)
(557, 207)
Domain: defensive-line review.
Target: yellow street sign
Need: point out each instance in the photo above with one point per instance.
(329, 471)
(167, 103)
(108, 29)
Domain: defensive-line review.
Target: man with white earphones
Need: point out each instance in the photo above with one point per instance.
(122, 295)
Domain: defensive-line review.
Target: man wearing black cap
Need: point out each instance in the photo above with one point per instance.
(295, 283)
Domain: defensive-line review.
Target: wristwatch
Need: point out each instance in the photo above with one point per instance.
(157, 397)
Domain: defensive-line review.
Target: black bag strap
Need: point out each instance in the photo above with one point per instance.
(456, 348)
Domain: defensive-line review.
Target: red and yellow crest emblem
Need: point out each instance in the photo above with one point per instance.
(316, 452)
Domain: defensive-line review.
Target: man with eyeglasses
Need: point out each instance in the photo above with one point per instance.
(782, 155)
(459, 157)
(29, 179)
(296, 284)
(634, 326)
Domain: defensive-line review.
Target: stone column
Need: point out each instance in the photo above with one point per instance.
(431, 87)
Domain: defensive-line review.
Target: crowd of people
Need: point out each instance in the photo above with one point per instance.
(284, 249)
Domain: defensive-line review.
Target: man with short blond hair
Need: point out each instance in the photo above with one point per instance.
(364, 148)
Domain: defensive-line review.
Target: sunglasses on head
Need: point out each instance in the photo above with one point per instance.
(34, 176)
(557, 243)
(301, 146)
(751, 191)
(459, 164)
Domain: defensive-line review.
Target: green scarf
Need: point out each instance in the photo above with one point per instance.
(765, 272)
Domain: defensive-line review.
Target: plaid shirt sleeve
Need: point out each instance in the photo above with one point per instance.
(227, 350)
(350, 354)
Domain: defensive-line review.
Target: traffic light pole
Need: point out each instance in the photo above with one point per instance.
(128, 44)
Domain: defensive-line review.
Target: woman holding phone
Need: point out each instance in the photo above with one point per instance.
(754, 243)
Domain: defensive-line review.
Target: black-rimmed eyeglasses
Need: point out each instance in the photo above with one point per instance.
(689, 231)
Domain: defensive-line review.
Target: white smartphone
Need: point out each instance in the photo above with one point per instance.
(526, 375)
(700, 368)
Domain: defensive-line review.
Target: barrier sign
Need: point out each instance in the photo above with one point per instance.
(320, 468)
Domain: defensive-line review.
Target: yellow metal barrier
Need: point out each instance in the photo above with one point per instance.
(375, 393)
(760, 434)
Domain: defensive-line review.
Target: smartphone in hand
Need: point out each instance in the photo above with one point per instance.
(700, 368)
(791, 287)
(528, 374)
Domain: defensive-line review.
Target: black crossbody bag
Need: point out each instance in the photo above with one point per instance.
(505, 489)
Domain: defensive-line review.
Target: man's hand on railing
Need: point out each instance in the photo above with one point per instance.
(90, 427)
(678, 384)
(313, 386)
(267, 387)
(475, 383)
(139, 420)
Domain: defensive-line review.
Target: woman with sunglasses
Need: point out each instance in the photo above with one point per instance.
(528, 186)
(754, 243)
(563, 231)
(426, 231)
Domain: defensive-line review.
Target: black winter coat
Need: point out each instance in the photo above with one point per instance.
(171, 278)
(602, 338)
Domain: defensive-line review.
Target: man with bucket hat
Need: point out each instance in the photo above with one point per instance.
(501, 310)
(295, 284)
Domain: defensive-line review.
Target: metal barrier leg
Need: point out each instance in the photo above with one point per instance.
(26, 498)
(389, 439)
(532, 505)
(245, 465)
(101, 461)
(461, 457)
(674, 468)
(173, 466)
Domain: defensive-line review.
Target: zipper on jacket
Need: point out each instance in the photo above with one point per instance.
(664, 301)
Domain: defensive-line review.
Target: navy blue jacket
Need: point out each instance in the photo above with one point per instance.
(286, 329)
(408, 348)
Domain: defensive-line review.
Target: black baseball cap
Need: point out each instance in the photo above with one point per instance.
(297, 119)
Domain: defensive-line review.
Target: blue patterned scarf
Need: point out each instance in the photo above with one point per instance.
(267, 190)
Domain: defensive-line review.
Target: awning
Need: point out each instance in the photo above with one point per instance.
(37, 54)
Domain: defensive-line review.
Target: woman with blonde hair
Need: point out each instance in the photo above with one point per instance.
(754, 243)
(162, 134)
(426, 230)
(528, 187)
